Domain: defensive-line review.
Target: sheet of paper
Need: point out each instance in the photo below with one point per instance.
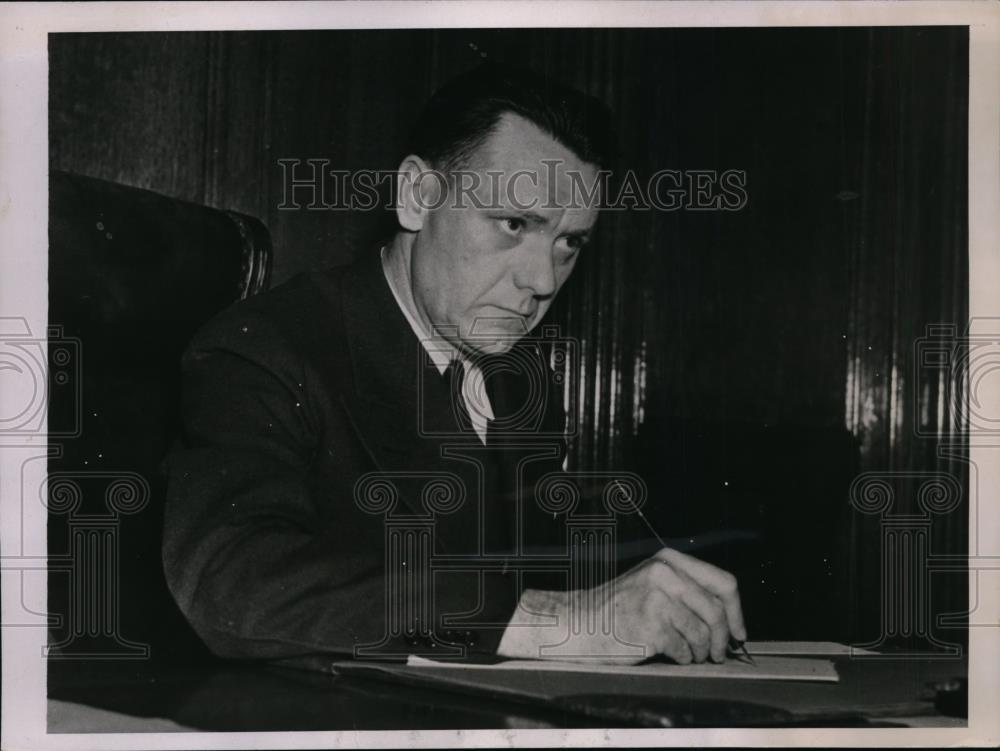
(804, 649)
(767, 668)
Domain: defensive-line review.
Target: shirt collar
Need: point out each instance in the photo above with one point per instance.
(442, 353)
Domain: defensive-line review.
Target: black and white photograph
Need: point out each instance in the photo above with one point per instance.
(484, 373)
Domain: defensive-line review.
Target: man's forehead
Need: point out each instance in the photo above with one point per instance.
(517, 143)
(518, 153)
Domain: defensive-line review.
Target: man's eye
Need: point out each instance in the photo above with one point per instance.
(512, 225)
(573, 243)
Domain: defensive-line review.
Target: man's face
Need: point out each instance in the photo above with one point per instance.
(486, 265)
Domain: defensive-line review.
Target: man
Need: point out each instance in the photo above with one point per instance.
(352, 423)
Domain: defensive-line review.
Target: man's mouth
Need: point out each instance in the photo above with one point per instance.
(510, 322)
(517, 314)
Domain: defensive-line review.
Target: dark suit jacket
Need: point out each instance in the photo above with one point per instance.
(271, 547)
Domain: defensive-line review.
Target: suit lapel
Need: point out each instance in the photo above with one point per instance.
(402, 410)
(401, 407)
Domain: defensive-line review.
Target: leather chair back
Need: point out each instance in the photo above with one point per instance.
(132, 276)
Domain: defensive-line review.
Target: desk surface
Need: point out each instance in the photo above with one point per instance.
(148, 697)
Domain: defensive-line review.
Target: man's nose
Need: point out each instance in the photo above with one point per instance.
(534, 270)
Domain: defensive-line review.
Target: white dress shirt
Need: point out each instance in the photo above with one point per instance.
(441, 352)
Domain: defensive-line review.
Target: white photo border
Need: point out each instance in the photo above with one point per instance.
(24, 293)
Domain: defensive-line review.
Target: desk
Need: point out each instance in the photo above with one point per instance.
(148, 697)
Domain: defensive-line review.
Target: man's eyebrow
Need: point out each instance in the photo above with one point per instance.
(533, 217)
(537, 219)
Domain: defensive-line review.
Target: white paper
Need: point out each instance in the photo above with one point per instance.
(805, 649)
(768, 668)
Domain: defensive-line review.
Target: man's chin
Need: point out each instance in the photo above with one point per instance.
(486, 345)
(494, 336)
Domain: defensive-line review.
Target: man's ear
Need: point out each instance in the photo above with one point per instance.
(418, 190)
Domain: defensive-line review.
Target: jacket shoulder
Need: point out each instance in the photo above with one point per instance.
(299, 313)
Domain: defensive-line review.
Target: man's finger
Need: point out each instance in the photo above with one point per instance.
(703, 604)
(710, 610)
(674, 646)
(720, 583)
(697, 624)
(693, 629)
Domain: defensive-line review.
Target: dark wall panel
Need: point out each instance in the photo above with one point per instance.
(131, 108)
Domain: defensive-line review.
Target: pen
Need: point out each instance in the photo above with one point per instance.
(740, 646)
(734, 644)
(638, 511)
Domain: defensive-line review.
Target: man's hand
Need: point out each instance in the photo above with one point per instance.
(670, 604)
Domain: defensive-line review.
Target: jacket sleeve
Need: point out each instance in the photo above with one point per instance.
(246, 552)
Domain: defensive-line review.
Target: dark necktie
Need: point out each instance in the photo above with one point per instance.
(455, 378)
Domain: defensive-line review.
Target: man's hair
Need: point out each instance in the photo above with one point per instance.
(463, 113)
